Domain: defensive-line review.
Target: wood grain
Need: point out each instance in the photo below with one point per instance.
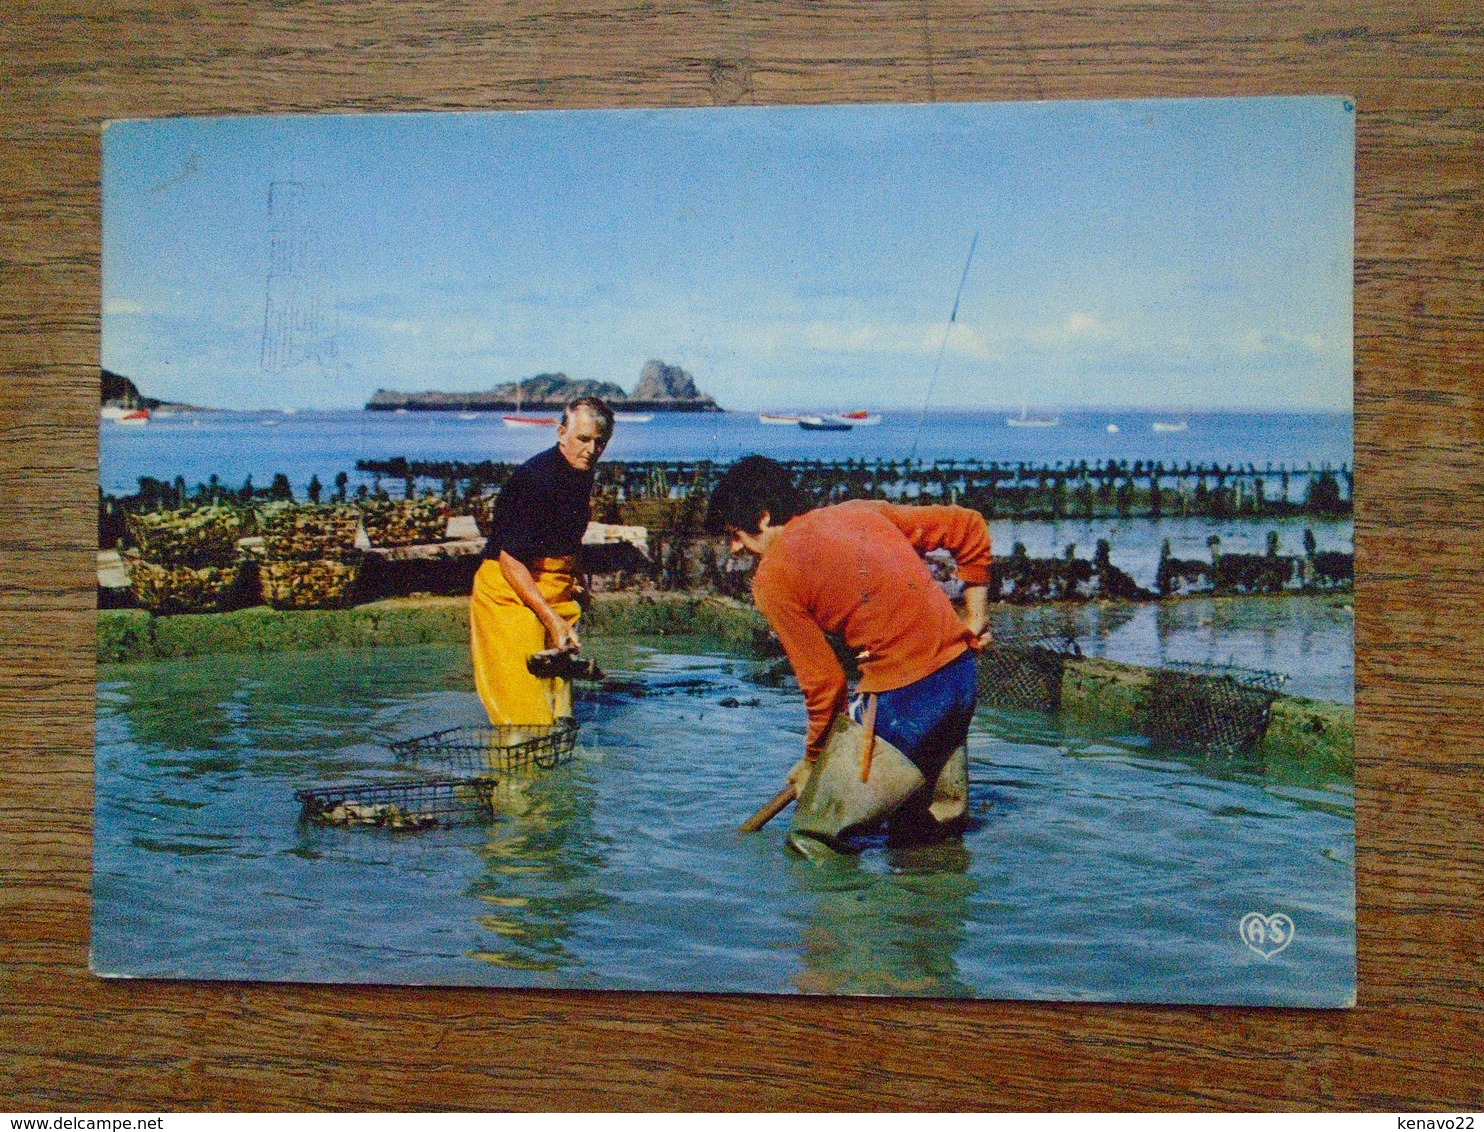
(71, 1042)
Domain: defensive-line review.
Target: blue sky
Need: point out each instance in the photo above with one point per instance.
(1161, 254)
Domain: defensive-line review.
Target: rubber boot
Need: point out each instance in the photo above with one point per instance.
(836, 802)
(931, 815)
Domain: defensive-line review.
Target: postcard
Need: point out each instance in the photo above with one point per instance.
(856, 550)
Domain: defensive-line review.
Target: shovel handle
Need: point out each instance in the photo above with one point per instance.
(869, 747)
(776, 805)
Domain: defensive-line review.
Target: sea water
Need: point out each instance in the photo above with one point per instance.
(1094, 868)
(323, 443)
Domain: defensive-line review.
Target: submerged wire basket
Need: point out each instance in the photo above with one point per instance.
(481, 750)
(408, 805)
(1214, 708)
(1025, 674)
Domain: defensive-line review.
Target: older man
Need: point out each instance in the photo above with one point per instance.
(855, 570)
(525, 593)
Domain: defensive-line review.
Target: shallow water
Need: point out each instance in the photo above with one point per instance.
(1092, 870)
(1309, 640)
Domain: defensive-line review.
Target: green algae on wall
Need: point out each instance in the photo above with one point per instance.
(126, 635)
(1307, 741)
(132, 635)
(737, 625)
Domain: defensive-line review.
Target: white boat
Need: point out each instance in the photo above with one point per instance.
(780, 419)
(1024, 421)
(859, 418)
(1169, 426)
(634, 418)
(1112, 427)
(468, 416)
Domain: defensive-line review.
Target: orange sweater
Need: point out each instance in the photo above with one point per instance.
(856, 569)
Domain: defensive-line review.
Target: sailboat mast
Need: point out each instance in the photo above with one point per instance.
(952, 318)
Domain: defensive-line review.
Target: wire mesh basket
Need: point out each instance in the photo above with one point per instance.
(1025, 674)
(407, 805)
(1214, 708)
(480, 750)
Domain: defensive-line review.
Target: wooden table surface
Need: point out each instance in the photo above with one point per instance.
(72, 1042)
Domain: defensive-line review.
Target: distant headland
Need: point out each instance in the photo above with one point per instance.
(119, 392)
(661, 388)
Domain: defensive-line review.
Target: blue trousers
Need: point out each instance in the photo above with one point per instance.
(929, 720)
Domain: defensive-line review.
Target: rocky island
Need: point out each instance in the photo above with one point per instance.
(661, 388)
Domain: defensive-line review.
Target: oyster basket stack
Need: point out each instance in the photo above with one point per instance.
(403, 522)
(461, 764)
(184, 561)
(1025, 673)
(1214, 708)
(310, 556)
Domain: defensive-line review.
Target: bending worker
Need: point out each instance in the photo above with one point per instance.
(525, 593)
(855, 570)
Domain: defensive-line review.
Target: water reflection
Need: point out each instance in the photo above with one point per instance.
(174, 704)
(886, 933)
(540, 864)
(1307, 638)
(283, 713)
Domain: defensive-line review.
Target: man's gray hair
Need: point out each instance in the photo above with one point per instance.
(596, 406)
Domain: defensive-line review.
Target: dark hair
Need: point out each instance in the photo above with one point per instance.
(751, 486)
(596, 406)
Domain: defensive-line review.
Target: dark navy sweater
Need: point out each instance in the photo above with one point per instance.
(542, 511)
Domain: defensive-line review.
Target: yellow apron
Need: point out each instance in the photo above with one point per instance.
(504, 631)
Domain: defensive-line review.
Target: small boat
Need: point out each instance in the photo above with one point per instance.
(1112, 427)
(634, 418)
(859, 417)
(1169, 426)
(519, 419)
(777, 419)
(120, 415)
(1024, 421)
(468, 416)
(820, 424)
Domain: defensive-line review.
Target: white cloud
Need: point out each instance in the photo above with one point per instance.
(124, 307)
(1078, 325)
